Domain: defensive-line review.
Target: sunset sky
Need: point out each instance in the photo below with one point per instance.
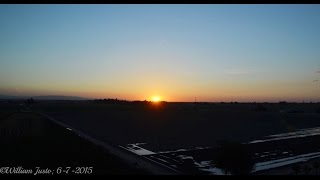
(176, 52)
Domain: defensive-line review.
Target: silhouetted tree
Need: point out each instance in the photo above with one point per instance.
(316, 165)
(282, 102)
(306, 169)
(110, 101)
(234, 158)
(296, 168)
(30, 101)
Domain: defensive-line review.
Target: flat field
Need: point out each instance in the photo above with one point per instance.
(171, 126)
(277, 134)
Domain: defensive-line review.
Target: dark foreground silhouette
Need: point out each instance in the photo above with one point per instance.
(29, 141)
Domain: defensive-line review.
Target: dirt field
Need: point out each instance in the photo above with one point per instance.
(172, 126)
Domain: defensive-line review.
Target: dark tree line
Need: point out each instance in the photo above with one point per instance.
(109, 101)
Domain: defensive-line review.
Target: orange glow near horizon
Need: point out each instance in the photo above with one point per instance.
(156, 99)
(179, 92)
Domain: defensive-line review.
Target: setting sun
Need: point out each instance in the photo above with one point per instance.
(156, 98)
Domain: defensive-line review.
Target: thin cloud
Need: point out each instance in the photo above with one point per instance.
(317, 71)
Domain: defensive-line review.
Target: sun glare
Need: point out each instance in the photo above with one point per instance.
(156, 99)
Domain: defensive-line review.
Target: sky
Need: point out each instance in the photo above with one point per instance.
(177, 52)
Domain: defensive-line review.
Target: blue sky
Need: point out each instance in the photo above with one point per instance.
(214, 52)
